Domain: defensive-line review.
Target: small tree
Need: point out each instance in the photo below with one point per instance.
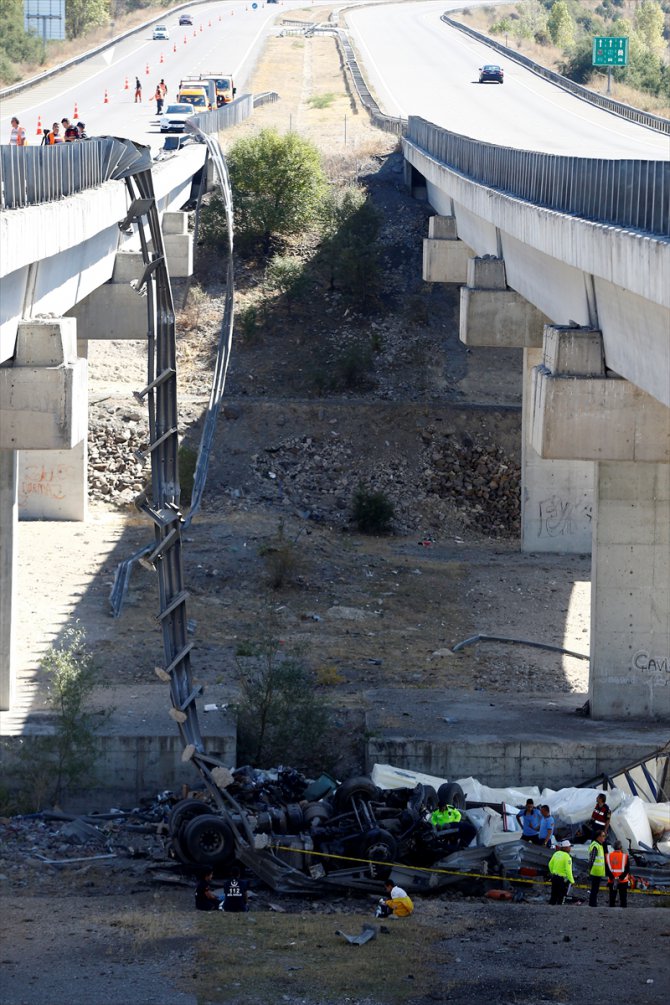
(56, 763)
(278, 183)
(286, 275)
(560, 25)
(349, 249)
(372, 512)
(280, 718)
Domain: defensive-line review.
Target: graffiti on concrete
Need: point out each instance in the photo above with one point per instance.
(45, 480)
(563, 518)
(642, 660)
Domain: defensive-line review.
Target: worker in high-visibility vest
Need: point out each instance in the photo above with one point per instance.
(618, 875)
(560, 867)
(444, 815)
(597, 871)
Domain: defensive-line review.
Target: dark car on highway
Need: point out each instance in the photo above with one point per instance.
(185, 19)
(491, 72)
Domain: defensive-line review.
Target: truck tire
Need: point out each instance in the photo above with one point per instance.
(209, 840)
(451, 793)
(184, 811)
(354, 788)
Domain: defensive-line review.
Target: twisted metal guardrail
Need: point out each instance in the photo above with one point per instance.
(655, 122)
(621, 193)
(33, 175)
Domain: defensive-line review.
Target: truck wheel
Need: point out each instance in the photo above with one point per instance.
(209, 840)
(451, 793)
(378, 845)
(184, 811)
(354, 788)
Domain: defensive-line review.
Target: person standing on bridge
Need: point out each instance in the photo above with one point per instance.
(54, 136)
(158, 96)
(138, 90)
(163, 87)
(17, 137)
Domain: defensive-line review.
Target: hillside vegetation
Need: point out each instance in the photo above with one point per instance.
(559, 34)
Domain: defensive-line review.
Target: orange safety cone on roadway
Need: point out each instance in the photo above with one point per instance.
(161, 60)
(209, 24)
(147, 70)
(106, 100)
(174, 47)
(126, 86)
(185, 40)
(39, 125)
(75, 114)
(200, 27)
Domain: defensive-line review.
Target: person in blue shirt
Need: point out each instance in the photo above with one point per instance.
(529, 818)
(546, 832)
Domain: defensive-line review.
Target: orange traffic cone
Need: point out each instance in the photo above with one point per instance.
(125, 86)
(185, 39)
(209, 24)
(39, 125)
(147, 70)
(161, 60)
(174, 47)
(195, 34)
(200, 27)
(106, 101)
(75, 114)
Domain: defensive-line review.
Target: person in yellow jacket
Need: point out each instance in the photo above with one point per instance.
(396, 902)
(597, 869)
(560, 867)
(445, 815)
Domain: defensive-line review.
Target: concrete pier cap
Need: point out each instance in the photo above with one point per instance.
(43, 393)
(492, 314)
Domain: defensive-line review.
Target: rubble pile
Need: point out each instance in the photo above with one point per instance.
(319, 477)
(481, 480)
(116, 474)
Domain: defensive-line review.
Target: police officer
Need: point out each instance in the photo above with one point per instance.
(560, 867)
(445, 815)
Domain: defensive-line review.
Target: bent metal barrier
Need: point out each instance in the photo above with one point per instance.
(634, 195)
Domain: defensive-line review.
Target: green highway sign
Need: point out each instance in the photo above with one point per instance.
(610, 51)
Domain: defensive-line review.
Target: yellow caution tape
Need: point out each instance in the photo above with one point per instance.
(447, 872)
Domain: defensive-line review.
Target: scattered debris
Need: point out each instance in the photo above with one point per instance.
(367, 933)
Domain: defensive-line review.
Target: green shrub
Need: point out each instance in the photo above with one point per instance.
(281, 719)
(188, 459)
(321, 100)
(372, 512)
(286, 275)
(281, 557)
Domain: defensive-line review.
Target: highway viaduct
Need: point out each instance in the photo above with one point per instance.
(588, 300)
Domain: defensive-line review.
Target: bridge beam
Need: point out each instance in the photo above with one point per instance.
(445, 256)
(579, 410)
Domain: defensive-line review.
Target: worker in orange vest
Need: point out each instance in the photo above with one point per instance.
(618, 876)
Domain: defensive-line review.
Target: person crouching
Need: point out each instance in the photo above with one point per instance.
(396, 902)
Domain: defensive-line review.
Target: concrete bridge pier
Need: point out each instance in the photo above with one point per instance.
(43, 417)
(580, 410)
(178, 244)
(556, 495)
(445, 256)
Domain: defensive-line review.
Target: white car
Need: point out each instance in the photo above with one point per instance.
(160, 31)
(173, 118)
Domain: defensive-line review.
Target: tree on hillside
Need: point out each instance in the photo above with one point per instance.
(649, 23)
(349, 249)
(80, 15)
(561, 26)
(278, 184)
(532, 19)
(16, 45)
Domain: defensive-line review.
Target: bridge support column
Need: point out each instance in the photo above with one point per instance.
(115, 310)
(43, 408)
(579, 411)
(178, 245)
(8, 546)
(445, 256)
(557, 494)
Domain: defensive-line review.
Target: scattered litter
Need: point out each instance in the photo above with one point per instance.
(71, 861)
(367, 933)
(278, 908)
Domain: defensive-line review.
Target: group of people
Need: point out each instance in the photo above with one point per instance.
(60, 132)
(64, 132)
(605, 862)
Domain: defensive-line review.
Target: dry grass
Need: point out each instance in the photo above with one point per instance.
(254, 958)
